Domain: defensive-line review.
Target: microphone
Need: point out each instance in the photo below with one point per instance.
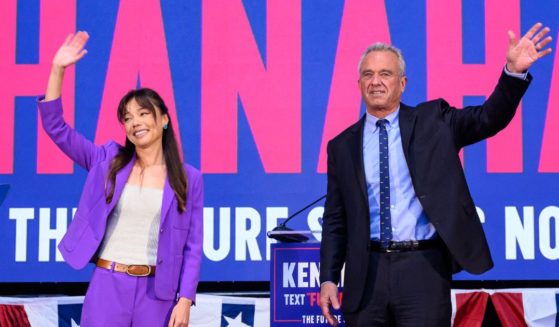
(285, 234)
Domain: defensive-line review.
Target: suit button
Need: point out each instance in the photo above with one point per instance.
(160, 261)
(161, 230)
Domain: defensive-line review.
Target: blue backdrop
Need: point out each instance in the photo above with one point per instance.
(520, 209)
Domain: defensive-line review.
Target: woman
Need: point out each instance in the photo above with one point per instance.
(140, 213)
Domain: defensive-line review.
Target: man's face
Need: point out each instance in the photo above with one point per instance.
(381, 82)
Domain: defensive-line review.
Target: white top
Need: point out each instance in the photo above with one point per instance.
(133, 227)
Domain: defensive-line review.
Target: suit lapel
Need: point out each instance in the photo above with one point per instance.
(168, 196)
(356, 149)
(407, 124)
(120, 180)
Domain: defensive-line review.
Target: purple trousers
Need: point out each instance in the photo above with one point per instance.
(117, 299)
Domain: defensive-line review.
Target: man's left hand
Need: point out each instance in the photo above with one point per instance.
(524, 52)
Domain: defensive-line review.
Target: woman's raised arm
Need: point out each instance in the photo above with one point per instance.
(68, 54)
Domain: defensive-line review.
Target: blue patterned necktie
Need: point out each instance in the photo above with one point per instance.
(385, 223)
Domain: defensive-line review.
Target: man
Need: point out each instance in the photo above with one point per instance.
(398, 210)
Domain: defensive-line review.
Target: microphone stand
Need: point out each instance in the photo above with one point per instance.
(291, 237)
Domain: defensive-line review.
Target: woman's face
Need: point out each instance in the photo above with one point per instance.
(144, 129)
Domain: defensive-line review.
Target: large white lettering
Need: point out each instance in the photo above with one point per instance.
(247, 229)
(307, 274)
(520, 232)
(527, 233)
(224, 245)
(272, 216)
(549, 217)
(46, 234)
(21, 216)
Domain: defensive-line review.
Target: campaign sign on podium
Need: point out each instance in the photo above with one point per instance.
(295, 285)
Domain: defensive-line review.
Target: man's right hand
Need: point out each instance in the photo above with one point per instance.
(329, 297)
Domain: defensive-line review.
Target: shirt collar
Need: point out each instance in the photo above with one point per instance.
(392, 119)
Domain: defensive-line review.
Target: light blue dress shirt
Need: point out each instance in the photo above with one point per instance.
(409, 221)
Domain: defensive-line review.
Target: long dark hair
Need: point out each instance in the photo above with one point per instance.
(149, 99)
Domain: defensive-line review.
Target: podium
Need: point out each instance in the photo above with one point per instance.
(295, 280)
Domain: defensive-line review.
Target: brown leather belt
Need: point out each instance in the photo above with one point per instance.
(132, 270)
(404, 246)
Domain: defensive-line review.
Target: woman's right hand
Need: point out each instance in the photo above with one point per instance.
(71, 50)
(68, 54)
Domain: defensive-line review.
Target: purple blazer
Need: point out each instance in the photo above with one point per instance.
(179, 251)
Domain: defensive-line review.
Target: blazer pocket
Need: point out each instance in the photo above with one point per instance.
(74, 233)
(181, 222)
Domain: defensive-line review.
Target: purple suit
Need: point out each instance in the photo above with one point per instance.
(179, 250)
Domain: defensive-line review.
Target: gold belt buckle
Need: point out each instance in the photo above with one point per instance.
(148, 267)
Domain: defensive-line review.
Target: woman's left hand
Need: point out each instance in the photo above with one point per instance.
(181, 313)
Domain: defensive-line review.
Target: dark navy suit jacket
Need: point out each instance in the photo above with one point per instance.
(432, 135)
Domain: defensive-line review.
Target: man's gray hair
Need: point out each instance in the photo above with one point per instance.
(379, 46)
